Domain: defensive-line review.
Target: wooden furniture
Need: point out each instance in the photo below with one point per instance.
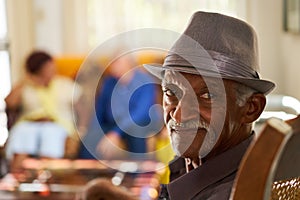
(270, 169)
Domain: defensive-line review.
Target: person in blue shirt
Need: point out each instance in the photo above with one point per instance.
(125, 114)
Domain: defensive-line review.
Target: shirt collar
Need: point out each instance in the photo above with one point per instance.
(210, 172)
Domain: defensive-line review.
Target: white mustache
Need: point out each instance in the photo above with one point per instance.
(181, 142)
(191, 124)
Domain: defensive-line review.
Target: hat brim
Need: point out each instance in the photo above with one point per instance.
(260, 85)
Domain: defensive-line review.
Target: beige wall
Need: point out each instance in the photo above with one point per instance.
(31, 23)
(60, 26)
(290, 56)
(48, 25)
(21, 34)
(75, 37)
(56, 26)
(265, 17)
(279, 50)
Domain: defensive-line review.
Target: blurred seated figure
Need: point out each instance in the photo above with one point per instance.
(45, 119)
(103, 189)
(124, 114)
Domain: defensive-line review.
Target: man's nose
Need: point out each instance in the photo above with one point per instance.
(186, 109)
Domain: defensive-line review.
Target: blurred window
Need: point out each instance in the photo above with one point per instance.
(107, 18)
(4, 73)
(3, 20)
(5, 81)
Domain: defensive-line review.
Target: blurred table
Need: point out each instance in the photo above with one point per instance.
(63, 179)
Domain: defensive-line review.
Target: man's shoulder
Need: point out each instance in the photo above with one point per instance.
(218, 191)
(177, 168)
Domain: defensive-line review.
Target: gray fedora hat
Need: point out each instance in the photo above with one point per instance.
(216, 45)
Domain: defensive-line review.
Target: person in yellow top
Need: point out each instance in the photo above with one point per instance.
(46, 116)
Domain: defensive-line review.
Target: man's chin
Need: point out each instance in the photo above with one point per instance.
(190, 143)
(186, 151)
(191, 153)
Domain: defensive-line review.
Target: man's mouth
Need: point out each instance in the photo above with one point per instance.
(191, 125)
(180, 130)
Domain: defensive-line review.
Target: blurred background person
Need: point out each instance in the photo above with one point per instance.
(45, 118)
(122, 111)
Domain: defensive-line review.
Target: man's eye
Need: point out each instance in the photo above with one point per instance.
(169, 92)
(207, 95)
(172, 91)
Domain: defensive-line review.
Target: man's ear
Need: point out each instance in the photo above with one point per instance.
(254, 107)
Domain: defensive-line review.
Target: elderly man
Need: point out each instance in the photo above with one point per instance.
(212, 94)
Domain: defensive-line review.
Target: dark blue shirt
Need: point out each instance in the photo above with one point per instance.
(126, 108)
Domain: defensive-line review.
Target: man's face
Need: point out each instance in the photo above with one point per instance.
(121, 66)
(47, 71)
(200, 116)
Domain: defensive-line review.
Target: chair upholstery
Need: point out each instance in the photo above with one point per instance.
(270, 168)
(286, 189)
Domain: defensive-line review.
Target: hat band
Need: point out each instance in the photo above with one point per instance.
(225, 66)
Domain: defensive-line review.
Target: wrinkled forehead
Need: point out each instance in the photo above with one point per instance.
(186, 80)
(174, 77)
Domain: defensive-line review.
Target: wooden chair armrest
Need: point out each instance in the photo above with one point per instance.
(257, 170)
